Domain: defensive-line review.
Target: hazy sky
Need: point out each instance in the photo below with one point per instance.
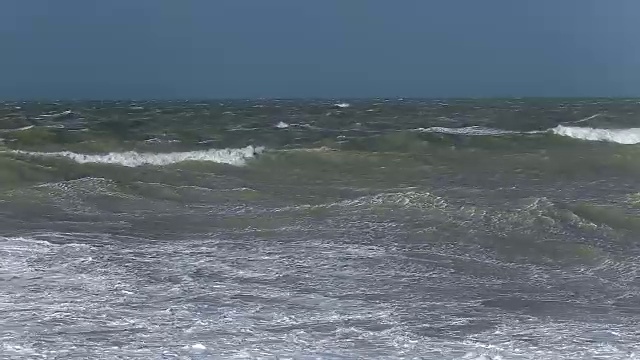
(324, 48)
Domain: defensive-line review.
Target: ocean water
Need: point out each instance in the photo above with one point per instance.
(317, 229)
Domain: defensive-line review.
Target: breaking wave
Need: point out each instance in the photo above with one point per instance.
(471, 131)
(237, 157)
(620, 136)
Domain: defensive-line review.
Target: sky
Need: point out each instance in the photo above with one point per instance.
(79, 49)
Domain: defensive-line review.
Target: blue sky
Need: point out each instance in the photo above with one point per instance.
(329, 48)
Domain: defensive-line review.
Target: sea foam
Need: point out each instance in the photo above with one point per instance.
(237, 157)
(17, 129)
(469, 130)
(620, 136)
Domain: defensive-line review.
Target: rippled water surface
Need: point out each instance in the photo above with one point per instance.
(392, 229)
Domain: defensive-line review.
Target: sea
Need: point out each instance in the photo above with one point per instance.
(320, 229)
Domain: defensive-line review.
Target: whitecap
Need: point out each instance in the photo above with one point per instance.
(17, 129)
(620, 136)
(471, 131)
(282, 125)
(55, 115)
(196, 348)
(237, 157)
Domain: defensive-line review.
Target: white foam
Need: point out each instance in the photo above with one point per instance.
(236, 157)
(16, 129)
(620, 136)
(64, 113)
(19, 350)
(469, 130)
(342, 105)
(198, 347)
(587, 118)
(282, 125)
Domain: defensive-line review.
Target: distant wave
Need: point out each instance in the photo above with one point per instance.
(56, 115)
(472, 131)
(236, 157)
(620, 136)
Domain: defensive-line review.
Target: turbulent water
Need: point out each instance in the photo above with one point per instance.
(440, 229)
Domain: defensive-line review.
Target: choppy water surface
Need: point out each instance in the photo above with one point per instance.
(457, 229)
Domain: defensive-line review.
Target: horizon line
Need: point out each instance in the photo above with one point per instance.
(310, 98)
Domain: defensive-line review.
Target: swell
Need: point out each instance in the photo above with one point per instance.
(534, 229)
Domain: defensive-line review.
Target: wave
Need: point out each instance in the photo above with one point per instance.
(237, 157)
(57, 115)
(472, 131)
(586, 119)
(620, 136)
(406, 199)
(17, 129)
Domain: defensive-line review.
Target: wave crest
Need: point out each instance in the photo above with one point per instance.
(620, 136)
(469, 131)
(237, 157)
